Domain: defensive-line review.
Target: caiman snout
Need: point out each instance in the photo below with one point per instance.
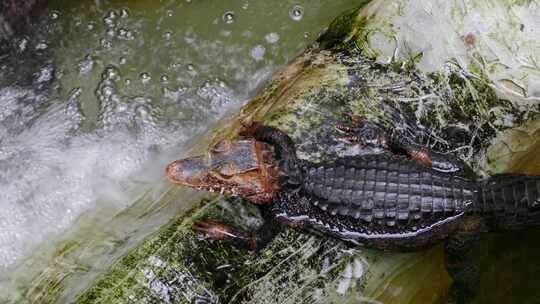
(244, 168)
(191, 172)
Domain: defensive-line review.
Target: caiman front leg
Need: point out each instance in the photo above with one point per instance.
(284, 148)
(250, 240)
(369, 133)
(464, 273)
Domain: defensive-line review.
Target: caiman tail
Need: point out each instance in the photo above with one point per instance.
(509, 200)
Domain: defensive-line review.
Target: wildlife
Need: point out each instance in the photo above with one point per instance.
(406, 198)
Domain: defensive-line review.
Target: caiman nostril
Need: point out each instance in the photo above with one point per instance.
(187, 171)
(173, 171)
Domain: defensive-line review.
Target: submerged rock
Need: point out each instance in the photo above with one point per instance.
(452, 107)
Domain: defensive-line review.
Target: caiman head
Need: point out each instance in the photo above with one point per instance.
(244, 168)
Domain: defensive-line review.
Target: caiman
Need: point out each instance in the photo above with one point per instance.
(404, 199)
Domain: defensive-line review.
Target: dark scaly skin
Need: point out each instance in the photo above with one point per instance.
(395, 203)
(383, 201)
(392, 201)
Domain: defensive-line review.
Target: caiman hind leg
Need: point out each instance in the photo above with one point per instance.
(369, 133)
(464, 273)
(365, 133)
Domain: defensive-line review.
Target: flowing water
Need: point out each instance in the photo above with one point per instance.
(99, 95)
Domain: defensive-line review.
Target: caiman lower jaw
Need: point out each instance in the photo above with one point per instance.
(254, 197)
(220, 190)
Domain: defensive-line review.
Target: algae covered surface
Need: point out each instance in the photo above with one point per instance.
(451, 110)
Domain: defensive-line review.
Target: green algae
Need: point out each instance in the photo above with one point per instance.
(341, 28)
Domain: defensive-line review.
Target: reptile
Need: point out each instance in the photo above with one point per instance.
(406, 198)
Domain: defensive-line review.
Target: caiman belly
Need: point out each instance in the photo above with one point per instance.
(378, 199)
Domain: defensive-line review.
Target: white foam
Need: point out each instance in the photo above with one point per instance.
(51, 172)
(504, 39)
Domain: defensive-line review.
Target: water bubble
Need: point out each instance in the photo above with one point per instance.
(122, 60)
(111, 14)
(23, 43)
(42, 46)
(145, 77)
(90, 26)
(127, 81)
(110, 18)
(164, 79)
(106, 44)
(189, 40)
(107, 91)
(143, 112)
(169, 13)
(191, 67)
(228, 17)
(306, 34)
(124, 13)
(55, 15)
(125, 34)
(45, 74)
(111, 73)
(167, 35)
(257, 52)
(296, 13)
(120, 106)
(271, 37)
(86, 65)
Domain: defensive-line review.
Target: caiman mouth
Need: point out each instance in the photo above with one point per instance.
(193, 173)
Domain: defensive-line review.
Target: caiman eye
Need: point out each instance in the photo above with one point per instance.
(222, 147)
(228, 170)
(220, 176)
